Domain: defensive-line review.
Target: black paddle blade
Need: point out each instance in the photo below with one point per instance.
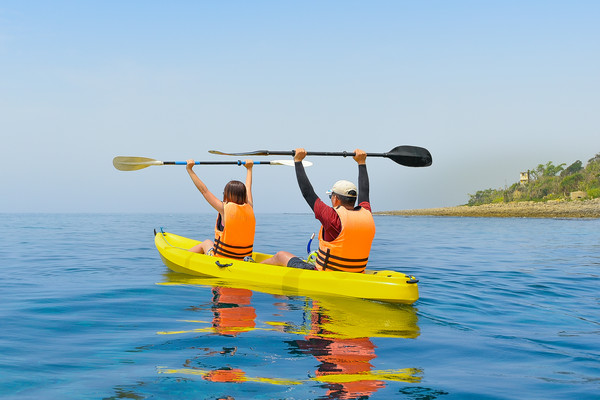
(410, 156)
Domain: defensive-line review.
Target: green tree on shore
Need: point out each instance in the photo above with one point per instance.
(547, 182)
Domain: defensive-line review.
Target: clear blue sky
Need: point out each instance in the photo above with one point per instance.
(491, 88)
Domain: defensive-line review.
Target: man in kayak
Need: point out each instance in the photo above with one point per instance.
(346, 231)
(234, 229)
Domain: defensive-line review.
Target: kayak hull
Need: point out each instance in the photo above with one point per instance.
(387, 286)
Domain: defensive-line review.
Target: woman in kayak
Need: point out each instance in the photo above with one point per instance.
(234, 228)
(346, 231)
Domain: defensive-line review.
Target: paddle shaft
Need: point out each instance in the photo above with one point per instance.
(238, 162)
(322, 153)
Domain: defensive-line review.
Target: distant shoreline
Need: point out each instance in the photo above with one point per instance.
(528, 209)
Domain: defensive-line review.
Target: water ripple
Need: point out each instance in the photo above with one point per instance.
(509, 306)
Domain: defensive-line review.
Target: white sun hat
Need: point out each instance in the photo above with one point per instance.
(344, 188)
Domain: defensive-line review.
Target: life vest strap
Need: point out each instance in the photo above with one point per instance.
(229, 254)
(328, 255)
(222, 243)
(324, 260)
(227, 250)
(332, 265)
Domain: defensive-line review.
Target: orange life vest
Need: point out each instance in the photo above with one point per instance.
(350, 250)
(237, 237)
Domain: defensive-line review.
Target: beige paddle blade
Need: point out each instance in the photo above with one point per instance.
(134, 163)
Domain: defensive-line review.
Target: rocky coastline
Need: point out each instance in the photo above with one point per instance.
(526, 209)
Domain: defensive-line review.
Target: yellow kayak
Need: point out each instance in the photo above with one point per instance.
(387, 286)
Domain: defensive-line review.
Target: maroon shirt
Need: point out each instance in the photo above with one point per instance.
(329, 218)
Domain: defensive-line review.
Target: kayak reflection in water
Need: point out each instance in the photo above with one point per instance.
(235, 225)
(225, 374)
(346, 231)
(339, 356)
(232, 312)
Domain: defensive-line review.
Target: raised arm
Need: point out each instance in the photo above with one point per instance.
(305, 186)
(363, 178)
(210, 198)
(248, 165)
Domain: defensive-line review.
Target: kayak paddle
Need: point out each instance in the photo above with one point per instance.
(134, 163)
(410, 156)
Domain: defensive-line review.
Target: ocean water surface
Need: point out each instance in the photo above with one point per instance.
(508, 309)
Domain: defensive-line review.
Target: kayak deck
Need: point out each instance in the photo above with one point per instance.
(387, 286)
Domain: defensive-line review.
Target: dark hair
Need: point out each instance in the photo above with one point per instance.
(235, 191)
(346, 200)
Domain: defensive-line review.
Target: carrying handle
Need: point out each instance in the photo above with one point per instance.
(223, 265)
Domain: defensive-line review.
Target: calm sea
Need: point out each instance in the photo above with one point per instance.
(509, 309)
